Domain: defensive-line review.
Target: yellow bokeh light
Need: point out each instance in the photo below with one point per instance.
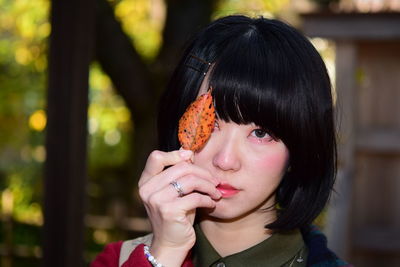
(44, 30)
(143, 20)
(22, 55)
(25, 26)
(39, 154)
(93, 125)
(38, 120)
(7, 202)
(93, 110)
(97, 79)
(252, 8)
(108, 121)
(123, 114)
(100, 236)
(112, 137)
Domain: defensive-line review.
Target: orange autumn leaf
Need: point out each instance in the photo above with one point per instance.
(197, 123)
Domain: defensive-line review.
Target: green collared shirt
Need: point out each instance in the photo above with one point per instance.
(281, 249)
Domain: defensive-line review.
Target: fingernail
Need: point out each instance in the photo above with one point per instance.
(185, 154)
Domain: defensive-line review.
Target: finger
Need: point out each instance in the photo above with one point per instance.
(191, 159)
(165, 191)
(193, 201)
(175, 172)
(158, 160)
(189, 184)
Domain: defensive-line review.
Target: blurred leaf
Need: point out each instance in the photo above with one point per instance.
(267, 8)
(143, 21)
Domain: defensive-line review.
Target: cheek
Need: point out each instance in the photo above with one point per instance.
(201, 157)
(204, 156)
(274, 162)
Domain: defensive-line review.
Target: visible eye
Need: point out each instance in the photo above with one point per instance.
(261, 134)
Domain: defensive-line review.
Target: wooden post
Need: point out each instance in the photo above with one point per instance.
(363, 221)
(339, 209)
(71, 43)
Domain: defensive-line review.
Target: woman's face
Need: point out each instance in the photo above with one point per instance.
(249, 165)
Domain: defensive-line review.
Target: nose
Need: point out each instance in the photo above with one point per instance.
(227, 157)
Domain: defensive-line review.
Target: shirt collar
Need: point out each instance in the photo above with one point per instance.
(275, 250)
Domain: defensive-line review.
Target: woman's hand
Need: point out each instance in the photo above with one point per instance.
(172, 216)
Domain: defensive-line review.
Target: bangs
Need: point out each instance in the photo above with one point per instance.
(250, 86)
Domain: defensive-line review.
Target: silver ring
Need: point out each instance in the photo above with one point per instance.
(178, 188)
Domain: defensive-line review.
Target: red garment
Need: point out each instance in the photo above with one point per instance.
(109, 257)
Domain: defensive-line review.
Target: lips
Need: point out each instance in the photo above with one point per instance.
(227, 190)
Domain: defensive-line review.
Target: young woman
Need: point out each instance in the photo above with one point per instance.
(249, 195)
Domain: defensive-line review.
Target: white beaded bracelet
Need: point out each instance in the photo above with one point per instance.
(150, 257)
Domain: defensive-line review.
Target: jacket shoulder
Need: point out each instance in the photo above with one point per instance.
(129, 245)
(319, 255)
(109, 256)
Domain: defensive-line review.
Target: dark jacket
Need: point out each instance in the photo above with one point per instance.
(318, 253)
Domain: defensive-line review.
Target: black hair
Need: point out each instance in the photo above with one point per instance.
(266, 72)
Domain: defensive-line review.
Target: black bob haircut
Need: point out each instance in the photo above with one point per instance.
(266, 72)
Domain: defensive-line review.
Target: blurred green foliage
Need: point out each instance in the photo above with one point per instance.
(24, 28)
(143, 21)
(253, 8)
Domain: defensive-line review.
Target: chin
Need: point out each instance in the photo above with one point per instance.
(230, 212)
(217, 216)
(221, 213)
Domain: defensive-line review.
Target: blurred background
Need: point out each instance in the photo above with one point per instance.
(79, 86)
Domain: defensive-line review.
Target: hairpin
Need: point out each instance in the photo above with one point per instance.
(202, 61)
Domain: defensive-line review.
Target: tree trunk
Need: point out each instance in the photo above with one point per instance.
(71, 43)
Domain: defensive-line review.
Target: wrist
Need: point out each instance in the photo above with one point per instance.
(153, 261)
(168, 256)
